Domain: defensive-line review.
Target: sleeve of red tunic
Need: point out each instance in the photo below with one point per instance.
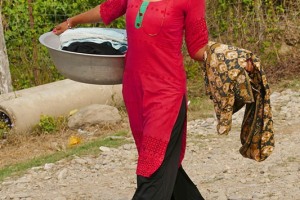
(112, 9)
(196, 33)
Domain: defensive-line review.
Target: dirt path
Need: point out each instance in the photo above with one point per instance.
(212, 161)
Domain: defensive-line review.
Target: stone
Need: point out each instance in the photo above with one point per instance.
(48, 166)
(104, 149)
(95, 114)
(285, 49)
(62, 174)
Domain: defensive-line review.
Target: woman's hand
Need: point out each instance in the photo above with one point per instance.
(62, 27)
(90, 16)
(249, 67)
(199, 56)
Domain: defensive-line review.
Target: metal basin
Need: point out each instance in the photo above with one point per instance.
(86, 68)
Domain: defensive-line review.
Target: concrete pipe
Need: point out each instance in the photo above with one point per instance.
(22, 109)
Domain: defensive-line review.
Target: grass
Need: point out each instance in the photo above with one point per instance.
(291, 159)
(200, 107)
(293, 84)
(91, 148)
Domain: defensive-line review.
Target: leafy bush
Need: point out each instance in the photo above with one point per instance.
(252, 24)
(49, 124)
(4, 129)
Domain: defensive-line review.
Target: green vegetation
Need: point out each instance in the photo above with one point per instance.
(293, 84)
(49, 124)
(261, 26)
(4, 129)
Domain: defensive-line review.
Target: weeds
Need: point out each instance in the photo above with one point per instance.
(4, 129)
(5, 125)
(49, 124)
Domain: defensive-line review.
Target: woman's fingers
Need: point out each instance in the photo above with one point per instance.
(249, 66)
(59, 29)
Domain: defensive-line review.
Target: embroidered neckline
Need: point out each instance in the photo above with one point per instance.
(152, 1)
(140, 14)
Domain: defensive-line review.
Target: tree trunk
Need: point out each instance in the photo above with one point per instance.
(35, 68)
(5, 77)
(260, 20)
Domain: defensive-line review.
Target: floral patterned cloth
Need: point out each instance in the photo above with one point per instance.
(230, 87)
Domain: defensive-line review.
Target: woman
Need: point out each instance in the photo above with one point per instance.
(154, 86)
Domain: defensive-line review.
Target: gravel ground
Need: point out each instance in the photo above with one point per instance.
(212, 161)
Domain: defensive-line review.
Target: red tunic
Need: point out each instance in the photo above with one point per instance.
(154, 80)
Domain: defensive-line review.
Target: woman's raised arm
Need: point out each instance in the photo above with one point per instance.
(90, 16)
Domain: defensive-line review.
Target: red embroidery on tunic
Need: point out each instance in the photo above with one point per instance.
(196, 34)
(108, 6)
(151, 155)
